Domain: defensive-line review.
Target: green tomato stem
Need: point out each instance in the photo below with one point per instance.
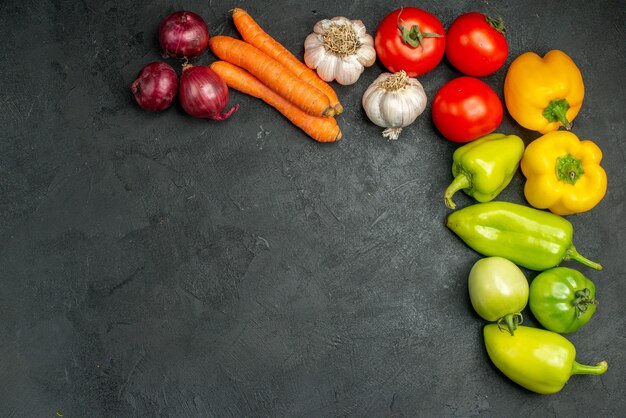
(582, 301)
(497, 24)
(598, 369)
(414, 36)
(511, 321)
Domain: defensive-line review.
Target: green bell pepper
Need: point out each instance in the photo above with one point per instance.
(484, 167)
(529, 237)
(562, 299)
(539, 360)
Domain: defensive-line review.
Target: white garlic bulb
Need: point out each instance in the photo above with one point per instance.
(394, 101)
(339, 49)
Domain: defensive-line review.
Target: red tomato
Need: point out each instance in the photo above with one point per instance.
(465, 109)
(475, 44)
(410, 39)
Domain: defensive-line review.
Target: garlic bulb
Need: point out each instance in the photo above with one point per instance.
(339, 49)
(394, 101)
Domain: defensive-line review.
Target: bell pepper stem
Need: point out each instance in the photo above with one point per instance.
(573, 254)
(598, 369)
(569, 169)
(556, 111)
(460, 182)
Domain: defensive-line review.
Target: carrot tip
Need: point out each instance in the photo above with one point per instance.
(329, 112)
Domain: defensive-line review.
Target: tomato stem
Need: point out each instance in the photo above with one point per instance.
(582, 301)
(511, 321)
(414, 36)
(497, 24)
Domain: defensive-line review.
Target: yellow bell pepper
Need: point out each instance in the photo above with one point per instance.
(542, 94)
(563, 174)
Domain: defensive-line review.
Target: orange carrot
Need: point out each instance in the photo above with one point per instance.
(322, 129)
(252, 33)
(272, 73)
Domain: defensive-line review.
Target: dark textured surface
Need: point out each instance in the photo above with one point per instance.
(159, 265)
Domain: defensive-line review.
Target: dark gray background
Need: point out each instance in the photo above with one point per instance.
(160, 265)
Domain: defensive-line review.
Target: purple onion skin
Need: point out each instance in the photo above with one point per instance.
(183, 35)
(155, 87)
(203, 94)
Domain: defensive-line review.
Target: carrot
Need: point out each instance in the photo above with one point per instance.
(272, 73)
(322, 129)
(252, 33)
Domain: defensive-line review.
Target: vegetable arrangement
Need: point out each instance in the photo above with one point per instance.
(542, 94)
(563, 175)
(202, 94)
(252, 33)
(320, 129)
(273, 74)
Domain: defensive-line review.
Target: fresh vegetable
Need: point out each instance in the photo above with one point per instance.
(563, 174)
(183, 35)
(253, 34)
(203, 94)
(410, 39)
(476, 45)
(394, 101)
(529, 237)
(466, 108)
(498, 291)
(539, 360)
(322, 129)
(562, 299)
(339, 49)
(484, 167)
(273, 74)
(542, 94)
(155, 87)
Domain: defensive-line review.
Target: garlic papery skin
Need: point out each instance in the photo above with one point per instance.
(339, 49)
(394, 101)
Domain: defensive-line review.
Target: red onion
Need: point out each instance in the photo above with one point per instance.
(183, 35)
(155, 86)
(203, 93)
